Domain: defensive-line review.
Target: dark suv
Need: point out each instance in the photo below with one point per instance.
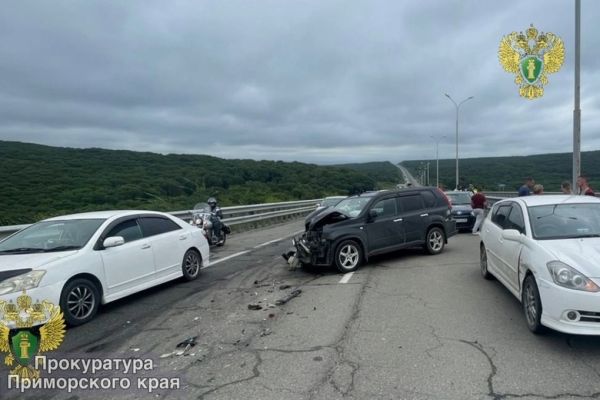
(374, 223)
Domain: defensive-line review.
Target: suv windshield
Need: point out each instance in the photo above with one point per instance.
(352, 206)
(331, 201)
(49, 236)
(565, 221)
(461, 198)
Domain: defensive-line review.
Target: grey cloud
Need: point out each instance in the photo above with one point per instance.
(316, 81)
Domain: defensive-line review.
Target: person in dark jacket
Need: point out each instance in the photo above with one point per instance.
(525, 190)
(214, 208)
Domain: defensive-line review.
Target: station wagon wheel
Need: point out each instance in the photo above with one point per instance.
(348, 256)
(532, 305)
(435, 240)
(79, 301)
(191, 265)
(483, 263)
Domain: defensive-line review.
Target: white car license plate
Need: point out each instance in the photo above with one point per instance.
(461, 220)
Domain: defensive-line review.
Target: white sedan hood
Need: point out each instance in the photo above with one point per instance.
(33, 260)
(582, 254)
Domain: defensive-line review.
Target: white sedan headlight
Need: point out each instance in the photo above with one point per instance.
(18, 283)
(566, 276)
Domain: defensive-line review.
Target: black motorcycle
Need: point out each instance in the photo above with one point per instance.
(207, 220)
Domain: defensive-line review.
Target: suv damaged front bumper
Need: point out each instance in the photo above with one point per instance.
(309, 249)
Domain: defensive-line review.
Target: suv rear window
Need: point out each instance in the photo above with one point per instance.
(429, 198)
(411, 202)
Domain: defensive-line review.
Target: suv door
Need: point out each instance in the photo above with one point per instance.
(414, 216)
(385, 231)
(130, 264)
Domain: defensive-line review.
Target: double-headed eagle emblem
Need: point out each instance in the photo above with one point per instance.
(27, 329)
(531, 56)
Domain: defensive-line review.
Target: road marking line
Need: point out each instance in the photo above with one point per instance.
(225, 258)
(267, 243)
(218, 260)
(346, 278)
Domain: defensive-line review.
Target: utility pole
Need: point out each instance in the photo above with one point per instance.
(577, 110)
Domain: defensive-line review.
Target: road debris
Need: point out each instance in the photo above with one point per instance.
(290, 296)
(185, 345)
(265, 332)
(254, 307)
(283, 287)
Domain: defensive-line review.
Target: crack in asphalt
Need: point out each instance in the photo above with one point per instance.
(339, 347)
(500, 396)
(255, 374)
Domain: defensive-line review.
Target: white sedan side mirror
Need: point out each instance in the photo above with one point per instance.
(113, 241)
(511, 234)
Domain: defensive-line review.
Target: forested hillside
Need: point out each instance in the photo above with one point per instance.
(548, 169)
(41, 181)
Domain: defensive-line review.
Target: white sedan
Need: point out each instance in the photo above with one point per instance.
(80, 261)
(546, 251)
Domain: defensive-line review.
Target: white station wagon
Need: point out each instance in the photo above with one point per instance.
(546, 251)
(80, 261)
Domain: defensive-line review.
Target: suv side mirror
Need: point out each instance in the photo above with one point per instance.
(372, 215)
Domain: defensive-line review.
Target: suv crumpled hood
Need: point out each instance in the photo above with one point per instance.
(325, 217)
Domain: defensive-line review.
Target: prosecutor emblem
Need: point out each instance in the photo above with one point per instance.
(26, 330)
(531, 56)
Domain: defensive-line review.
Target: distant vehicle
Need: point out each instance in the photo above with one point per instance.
(462, 212)
(80, 261)
(374, 223)
(544, 249)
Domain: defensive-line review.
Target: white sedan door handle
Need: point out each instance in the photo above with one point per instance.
(145, 246)
(182, 237)
(398, 220)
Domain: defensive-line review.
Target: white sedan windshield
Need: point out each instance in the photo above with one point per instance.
(51, 236)
(565, 221)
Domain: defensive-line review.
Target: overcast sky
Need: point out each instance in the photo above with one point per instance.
(323, 81)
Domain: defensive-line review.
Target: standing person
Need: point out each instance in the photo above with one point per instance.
(538, 189)
(478, 202)
(525, 190)
(566, 187)
(584, 188)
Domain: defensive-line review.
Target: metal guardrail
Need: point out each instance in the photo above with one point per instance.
(234, 216)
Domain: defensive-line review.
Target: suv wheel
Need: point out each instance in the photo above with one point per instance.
(348, 256)
(435, 240)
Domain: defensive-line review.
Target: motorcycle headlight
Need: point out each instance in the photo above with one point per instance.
(19, 283)
(568, 277)
(198, 221)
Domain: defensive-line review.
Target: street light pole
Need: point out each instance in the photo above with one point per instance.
(457, 110)
(576, 109)
(437, 159)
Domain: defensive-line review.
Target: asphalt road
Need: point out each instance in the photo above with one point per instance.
(405, 326)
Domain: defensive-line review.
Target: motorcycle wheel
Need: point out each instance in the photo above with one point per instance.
(222, 242)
